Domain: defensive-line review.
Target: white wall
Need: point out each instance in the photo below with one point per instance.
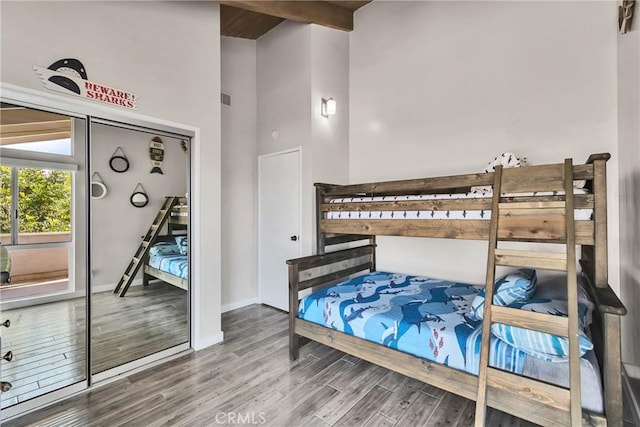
(239, 173)
(117, 226)
(330, 79)
(297, 65)
(283, 84)
(169, 54)
(440, 88)
(629, 148)
(284, 104)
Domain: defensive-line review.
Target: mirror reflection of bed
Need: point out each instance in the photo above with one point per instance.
(147, 314)
(168, 259)
(165, 281)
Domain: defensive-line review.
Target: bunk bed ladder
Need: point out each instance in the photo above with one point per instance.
(154, 230)
(494, 384)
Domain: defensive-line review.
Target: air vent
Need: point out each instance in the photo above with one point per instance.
(225, 99)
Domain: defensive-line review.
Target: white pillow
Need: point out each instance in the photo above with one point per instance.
(506, 160)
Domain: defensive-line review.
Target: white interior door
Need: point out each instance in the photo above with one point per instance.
(279, 224)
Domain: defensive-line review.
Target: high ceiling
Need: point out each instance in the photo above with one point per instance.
(252, 19)
(238, 18)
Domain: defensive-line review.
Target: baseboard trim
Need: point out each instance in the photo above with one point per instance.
(112, 286)
(208, 342)
(239, 304)
(59, 296)
(629, 371)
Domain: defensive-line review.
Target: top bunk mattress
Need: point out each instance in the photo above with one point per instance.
(483, 214)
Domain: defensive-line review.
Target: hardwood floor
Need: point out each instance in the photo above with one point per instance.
(48, 340)
(147, 320)
(248, 379)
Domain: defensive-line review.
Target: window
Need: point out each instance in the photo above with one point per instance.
(35, 225)
(36, 206)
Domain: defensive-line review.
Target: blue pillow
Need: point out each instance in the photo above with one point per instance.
(183, 244)
(513, 287)
(540, 344)
(164, 248)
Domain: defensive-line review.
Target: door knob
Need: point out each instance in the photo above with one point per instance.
(5, 386)
(8, 356)
(294, 238)
(6, 323)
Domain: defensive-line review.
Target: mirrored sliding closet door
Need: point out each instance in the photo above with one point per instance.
(94, 249)
(42, 254)
(139, 244)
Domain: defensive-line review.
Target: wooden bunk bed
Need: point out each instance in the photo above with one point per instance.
(177, 221)
(529, 399)
(174, 213)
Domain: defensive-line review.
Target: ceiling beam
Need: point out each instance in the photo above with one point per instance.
(246, 24)
(309, 12)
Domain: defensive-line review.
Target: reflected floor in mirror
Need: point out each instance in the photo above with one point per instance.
(48, 340)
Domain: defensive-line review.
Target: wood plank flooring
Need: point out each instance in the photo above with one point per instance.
(248, 379)
(48, 340)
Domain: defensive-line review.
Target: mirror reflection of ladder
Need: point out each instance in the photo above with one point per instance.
(143, 250)
(495, 382)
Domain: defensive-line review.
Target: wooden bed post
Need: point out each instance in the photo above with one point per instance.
(294, 339)
(320, 238)
(145, 279)
(372, 242)
(597, 255)
(612, 369)
(601, 274)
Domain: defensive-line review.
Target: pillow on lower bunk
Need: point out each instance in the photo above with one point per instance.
(513, 287)
(540, 344)
(164, 248)
(183, 244)
(555, 287)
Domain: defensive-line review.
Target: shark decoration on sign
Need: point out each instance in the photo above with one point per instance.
(69, 76)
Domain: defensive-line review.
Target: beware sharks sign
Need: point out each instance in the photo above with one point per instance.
(69, 76)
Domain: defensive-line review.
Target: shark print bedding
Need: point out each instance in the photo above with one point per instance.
(425, 317)
(175, 264)
(433, 319)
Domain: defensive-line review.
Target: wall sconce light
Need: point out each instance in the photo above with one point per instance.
(328, 107)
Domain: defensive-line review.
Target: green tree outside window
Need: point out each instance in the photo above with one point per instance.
(44, 200)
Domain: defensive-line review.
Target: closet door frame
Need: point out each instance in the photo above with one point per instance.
(162, 355)
(88, 110)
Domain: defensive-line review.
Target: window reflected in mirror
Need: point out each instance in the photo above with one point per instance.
(42, 286)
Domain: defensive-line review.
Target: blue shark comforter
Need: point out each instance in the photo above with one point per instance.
(424, 317)
(177, 265)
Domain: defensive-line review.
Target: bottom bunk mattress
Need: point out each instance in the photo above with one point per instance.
(174, 264)
(432, 319)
